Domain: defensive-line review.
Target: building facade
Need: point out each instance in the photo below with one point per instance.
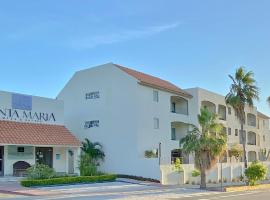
(139, 119)
(32, 131)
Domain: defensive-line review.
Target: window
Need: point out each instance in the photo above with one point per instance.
(20, 149)
(92, 95)
(173, 134)
(224, 130)
(155, 95)
(156, 123)
(90, 124)
(229, 110)
(264, 138)
(236, 132)
(229, 131)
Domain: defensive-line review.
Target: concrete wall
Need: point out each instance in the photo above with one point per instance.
(230, 172)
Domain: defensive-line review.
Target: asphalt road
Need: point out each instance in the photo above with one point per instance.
(125, 191)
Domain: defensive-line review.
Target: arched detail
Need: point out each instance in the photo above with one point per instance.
(179, 105)
(20, 167)
(209, 105)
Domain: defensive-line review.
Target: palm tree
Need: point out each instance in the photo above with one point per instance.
(243, 91)
(207, 144)
(93, 150)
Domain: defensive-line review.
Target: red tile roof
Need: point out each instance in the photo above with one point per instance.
(36, 134)
(154, 82)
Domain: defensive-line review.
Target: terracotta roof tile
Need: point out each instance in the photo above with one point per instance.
(154, 82)
(36, 134)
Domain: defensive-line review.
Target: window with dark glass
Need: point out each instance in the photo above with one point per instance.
(20, 149)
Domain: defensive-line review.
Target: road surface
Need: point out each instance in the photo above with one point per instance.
(126, 191)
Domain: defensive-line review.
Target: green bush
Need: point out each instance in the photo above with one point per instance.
(87, 167)
(195, 173)
(138, 178)
(177, 166)
(40, 171)
(255, 172)
(68, 180)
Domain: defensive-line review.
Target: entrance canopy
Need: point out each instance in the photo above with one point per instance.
(19, 133)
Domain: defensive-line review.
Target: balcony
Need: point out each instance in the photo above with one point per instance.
(251, 119)
(252, 156)
(251, 138)
(209, 105)
(178, 130)
(179, 105)
(222, 112)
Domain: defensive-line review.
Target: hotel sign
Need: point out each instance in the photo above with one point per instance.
(25, 115)
(21, 110)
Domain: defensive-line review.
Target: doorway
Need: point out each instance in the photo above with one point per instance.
(70, 162)
(44, 155)
(1, 161)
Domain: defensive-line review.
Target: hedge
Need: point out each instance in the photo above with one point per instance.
(138, 178)
(68, 180)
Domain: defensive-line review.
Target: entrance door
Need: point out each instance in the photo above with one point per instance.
(70, 162)
(2, 161)
(44, 155)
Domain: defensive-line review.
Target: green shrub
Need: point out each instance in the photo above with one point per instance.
(68, 180)
(40, 171)
(87, 167)
(177, 166)
(138, 178)
(150, 154)
(255, 172)
(195, 173)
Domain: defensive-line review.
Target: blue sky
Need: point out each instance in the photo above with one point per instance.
(191, 43)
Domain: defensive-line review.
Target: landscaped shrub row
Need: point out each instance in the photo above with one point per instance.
(68, 180)
(139, 178)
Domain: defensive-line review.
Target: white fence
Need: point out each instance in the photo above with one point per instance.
(230, 172)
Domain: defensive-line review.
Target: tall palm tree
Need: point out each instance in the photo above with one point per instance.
(243, 91)
(207, 144)
(93, 150)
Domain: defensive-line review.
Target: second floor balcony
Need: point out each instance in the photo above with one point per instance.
(179, 105)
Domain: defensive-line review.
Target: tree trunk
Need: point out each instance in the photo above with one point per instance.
(203, 179)
(244, 145)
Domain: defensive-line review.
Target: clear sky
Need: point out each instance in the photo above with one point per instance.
(191, 43)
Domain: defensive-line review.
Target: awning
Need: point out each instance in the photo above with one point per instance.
(36, 134)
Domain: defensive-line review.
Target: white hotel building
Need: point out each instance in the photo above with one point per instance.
(139, 120)
(32, 131)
